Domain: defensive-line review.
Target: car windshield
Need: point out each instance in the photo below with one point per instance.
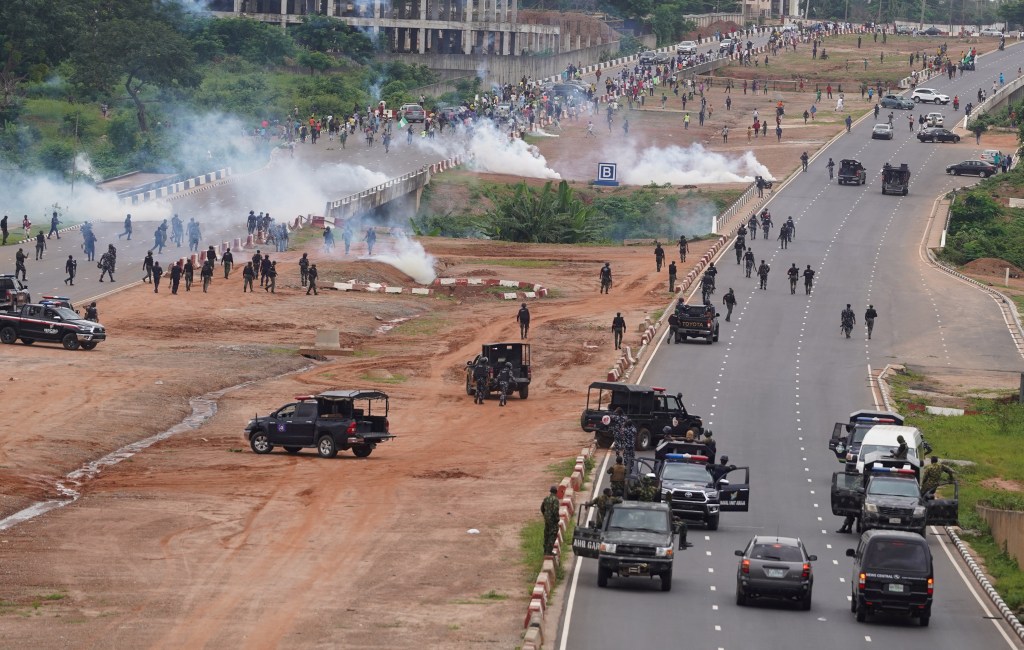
(65, 313)
(685, 472)
(632, 519)
(885, 449)
(777, 552)
(893, 487)
(896, 555)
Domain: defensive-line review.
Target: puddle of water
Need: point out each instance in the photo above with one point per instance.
(204, 407)
(387, 327)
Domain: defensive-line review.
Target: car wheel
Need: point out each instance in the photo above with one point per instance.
(905, 190)
(741, 598)
(666, 582)
(956, 172)
(713, 522)
(326, 448)
(853, 605)
(524, 392)
(362, 451)
(805, 602)
(88, 345)
(70, 342)
(8, 335)
(293, 450)
(604, 441)
(469, 387)
(643, 439)
(260, 443)
(603, 573)
(984, 174)
(715, 338)
(956, 140)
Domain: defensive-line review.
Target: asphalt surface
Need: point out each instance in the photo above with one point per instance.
(778, 380)
(215, 209)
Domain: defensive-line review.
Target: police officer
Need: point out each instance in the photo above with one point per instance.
(303, 268)
(206, 273)
(672, 274)
(70, 267)
(659, 255)
(730, 302)
(549, 509)
(19, 263)
(684, 248)
(147, 266)
(847, 319)
(127, 228)
(271, 283)
(739, 246)
(505, 379)
(719, 470)
(932, 476)
(211, 254)
(40, 245)
(618, 328)
(809, 280)
(762, 274)
(311, 279)
(618, 477)
(54, 222)
(748, 261)
(189, 273)
(175, 278)
(158, 273)
(606, 277)
(712, 446)
(91, 313)
(481, 373)
(603, 503)
(227, 260)
(106, 265)
(523, 318)
(248, 275)
(869, 318)
(673, 325)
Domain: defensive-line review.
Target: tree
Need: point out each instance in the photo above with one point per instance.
(316, 61)
(1012, 12)
(252, 40)
(319, 33)
(137, 53)
(544, 216)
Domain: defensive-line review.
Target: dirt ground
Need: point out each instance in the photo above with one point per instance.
(197, 541)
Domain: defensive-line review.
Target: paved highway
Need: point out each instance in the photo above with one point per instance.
(781, 376)
(321, 170)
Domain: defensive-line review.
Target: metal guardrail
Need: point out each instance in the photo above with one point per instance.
(730, 212)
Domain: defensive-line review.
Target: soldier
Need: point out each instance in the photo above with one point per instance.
(902, 450)
(54, 222)
(505, 379)
(113, 258)
(206, 273)
(19, 263)
(794, 274)
(127, 228)
(175, 277)
(618, 477)
(869, 318)
(646, 489)
(549, 509)
(618, 328)
(91, 313)
(147, 266)
(271, 284)
(730, 301)
(158, 273)
(40, 245)
(672, 274)
(739, 246)
(748, 261)
(303, 268)
(606, 277)
(659, 255)
(603, 503)
(107, 265)
(932, 476)
(70, 267)
(248, 275)
(523, 318)
(227, 260)
(189, 273)
(762, 273)
(481, 372)
(673, 325)
(3, 230)
(684, 248)
(211, 255)
(370, 239)
(311, 278)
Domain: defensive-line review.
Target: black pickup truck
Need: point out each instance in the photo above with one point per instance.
(852, 171)
(498, 354)
(686, 483)
(637, 539)
(13, 293)
(888, 496)
(52, 324)
(696, 321)
(331, 422)
(648, 407)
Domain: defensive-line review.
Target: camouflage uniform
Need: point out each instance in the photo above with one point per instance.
(603, 503)
(932, 476)
(618, 480)
(549, 509)
(644, 490)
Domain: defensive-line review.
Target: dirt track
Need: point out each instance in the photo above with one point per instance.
(199, 542)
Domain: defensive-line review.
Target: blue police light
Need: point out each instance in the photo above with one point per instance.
(892, 470)
(686, 457)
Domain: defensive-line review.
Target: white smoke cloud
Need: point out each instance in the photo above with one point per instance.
(691, 165)
(38, 196)
(408, 256)
(490, 150)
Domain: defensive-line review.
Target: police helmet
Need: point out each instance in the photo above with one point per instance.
(725, 459)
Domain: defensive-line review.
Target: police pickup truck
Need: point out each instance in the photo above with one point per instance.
(847, 436)
(50, 323)
(636, 539)
(887, 495)
(695, 321)
(648, 407)
(686, 483)
(332, 421)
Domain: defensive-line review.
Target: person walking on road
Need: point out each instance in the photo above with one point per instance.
(106, 265)
(70, 267)
(831, 165)
(549, 510)
(19, 264)
(311, 278)
(869, 319)
(227, 260)
(54, 222)
(40, 245)
(762, 274)
(730, 301)
(618, 329)
(127, 228)
(672, 274)
(248, 275)
(684, 248)
(206, 274)
(523, 318)
(803, 160)
(659, 255)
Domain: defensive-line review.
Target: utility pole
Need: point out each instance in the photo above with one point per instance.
(921, 25)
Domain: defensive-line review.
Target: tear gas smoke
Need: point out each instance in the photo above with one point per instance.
(38, 196)
(408, 256)
(691, 165)
(490, 150)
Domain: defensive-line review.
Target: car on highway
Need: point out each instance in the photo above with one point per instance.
(991, 32)
(935, 119)
(663, 58)
(882, 132)
(51, 324)
(649, 408)
(929, 95)
(892, 572)
(413, 113)
(647, 57)
(726, 45)
(981, 168)
(931, 31)
(775, 567)
(895, 101)
(851, 172)
(687, 48)
(937, 134)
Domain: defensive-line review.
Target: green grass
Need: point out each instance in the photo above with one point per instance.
(428, 325)
(395, 378)
(1019, 301)
(656, 314)
(365, 354)
(57, 596)
(307, 235)
(493, 595)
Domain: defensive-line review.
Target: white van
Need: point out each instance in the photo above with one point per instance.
(882, 437)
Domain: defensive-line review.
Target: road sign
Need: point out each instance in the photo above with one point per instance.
(607, 175)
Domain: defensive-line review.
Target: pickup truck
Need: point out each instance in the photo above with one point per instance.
(648, 407)
(330, 422)
(895, 180)
(497, 355)
(847, 436)
(52, 324)
(686, 484)
(852, 172)
(636, 539)
(696, 321)
(887, 495)
(13, 293)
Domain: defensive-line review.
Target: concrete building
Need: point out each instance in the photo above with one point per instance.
(417, 26)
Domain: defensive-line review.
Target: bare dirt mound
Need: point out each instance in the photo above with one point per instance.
(365, 270)
(991, 266)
